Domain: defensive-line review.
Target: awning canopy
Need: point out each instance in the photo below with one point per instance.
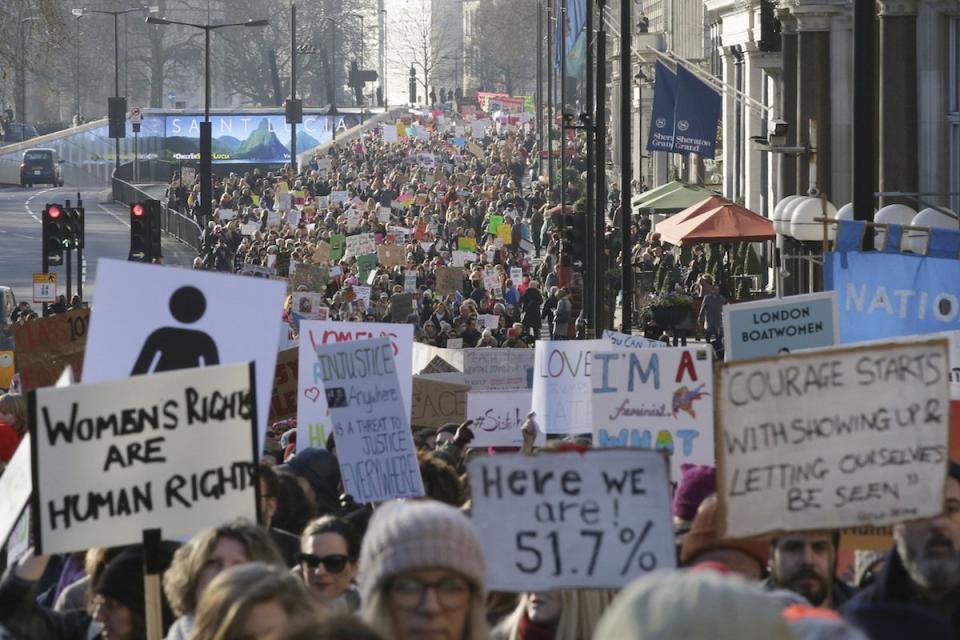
(726, 223)
(672, 200)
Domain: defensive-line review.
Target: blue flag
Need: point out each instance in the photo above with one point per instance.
(660, 137)
(568, 29)
(696, 116)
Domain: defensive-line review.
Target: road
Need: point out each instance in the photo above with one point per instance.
(107, 236)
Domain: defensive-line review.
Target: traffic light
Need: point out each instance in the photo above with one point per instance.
(73, 227)
(575, 238)
(141, 236)
(53, 235)
(117, 114)
(153, 214)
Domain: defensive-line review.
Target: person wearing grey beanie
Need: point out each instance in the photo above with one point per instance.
(422, 573)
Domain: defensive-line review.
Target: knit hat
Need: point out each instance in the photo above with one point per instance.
(666, 605)
(704, 536)
(697, 481)
(122, 580)
(421, 534)
(321, 470)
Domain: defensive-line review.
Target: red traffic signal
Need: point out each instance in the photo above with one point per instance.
(54, 211)
(137, 210)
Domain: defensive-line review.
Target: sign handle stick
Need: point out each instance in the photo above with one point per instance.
(152, 568)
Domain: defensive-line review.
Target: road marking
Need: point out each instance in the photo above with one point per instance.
(115, 216)
(26, 205)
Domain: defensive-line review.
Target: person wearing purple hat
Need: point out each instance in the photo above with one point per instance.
(697, 482)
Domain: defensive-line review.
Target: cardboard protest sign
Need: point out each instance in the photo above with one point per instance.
(16, 485)
(390, 255)
(150, 318)
(283, 399)
(499, 369)
(449, 280)
(311, 277)
(401, 306)
(378, 460)
(438, 403)
(360, 244)
(322, 253)
(174, 451)
(769, 327)
(832, 439)
(626, 341)
(498, 416)
(46, 345)
(572, 520)
(655, 399)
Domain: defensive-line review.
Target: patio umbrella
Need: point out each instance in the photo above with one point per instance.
(726, 223)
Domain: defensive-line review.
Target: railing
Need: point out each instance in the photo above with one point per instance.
(184, 229)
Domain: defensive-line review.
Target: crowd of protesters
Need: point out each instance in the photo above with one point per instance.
(320, 566)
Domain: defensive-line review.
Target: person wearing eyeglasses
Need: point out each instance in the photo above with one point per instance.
(422, 573)
(328, 563)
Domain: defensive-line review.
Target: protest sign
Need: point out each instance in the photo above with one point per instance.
(516, 275)
(494, 223)
(322, 253)
(389, 133)
(626, 341)
(283, 399)
(137, 325)
(46, 345)
(401, 306)
(383, 214)
(449, 280)
(366, 266)
(308, 306)
(225, 215)
(390, 255)
(274, 218)
(769, 327)
(18, 542)
(257, 271)
(353, 222)
(498, 416)
(487, 321)
(336, 246)
(16, 485)
(562, 386)
(293, 216)
(378, 460)
(312, 277)
(423, 355)
(655, 399)
(460, 258)
(465, 243)
(340, 196)
(505, 233)
(438, 403)
(832, 439)
(410, 282)
(572, 520)
(174, 451)
(249, 228)
(363, 295)
(498, 369)
(360, 244)
(454, 343)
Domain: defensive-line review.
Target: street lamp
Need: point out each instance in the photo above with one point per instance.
(206, 137)
(77, 13)
(23, 75)
(116, 52)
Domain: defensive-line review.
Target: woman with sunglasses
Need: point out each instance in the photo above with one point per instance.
(422, 573)
(328, 563)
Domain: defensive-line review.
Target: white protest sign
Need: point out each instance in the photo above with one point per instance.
(768, 327)
(454, 343)
(313, 422)
(225, 215)
(460, 258)
(840, 438)
(383, 215)
(497, 417)
(371, 425)
(360, 245)
(16, 484)
(655, 399)
(389, 133)
(572, 520)
(293, 217)
(487, 321)
(284, 201)
(150, 318)
(174, 451)
(626, 341)
(274, 218)
(308, 305)
(561, 384)
(340, 196)
(516, 275)
(363, 295)
(410, 282)
(249, 228)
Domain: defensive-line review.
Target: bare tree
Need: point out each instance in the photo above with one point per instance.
(417, 44)
(507, 54)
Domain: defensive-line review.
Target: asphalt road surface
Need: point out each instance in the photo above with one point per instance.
(107, 236)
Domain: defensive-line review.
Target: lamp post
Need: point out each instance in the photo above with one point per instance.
(23, 74)
(382, 51)
(77, 13)
(206, 137)
(116, 53)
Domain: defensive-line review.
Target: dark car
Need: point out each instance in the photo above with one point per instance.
(40, 166)
(14, 132)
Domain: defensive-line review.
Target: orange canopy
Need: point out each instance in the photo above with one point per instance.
(700, 208)
(726, 223)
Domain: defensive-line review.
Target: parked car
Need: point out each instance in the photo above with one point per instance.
(41, 166)
(18, 132)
